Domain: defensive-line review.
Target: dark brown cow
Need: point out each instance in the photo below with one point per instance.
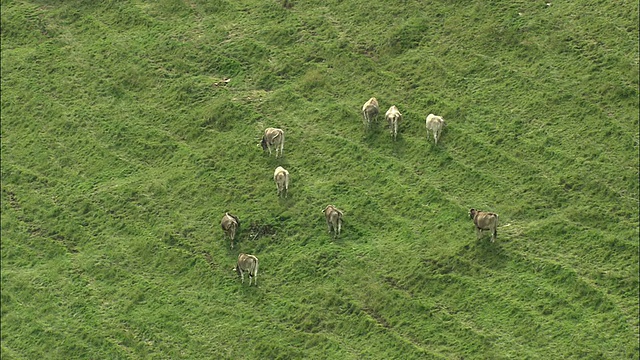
(485, 221)
(230, 224)
(247, 263)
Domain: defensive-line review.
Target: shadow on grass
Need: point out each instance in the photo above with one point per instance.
(485, 253)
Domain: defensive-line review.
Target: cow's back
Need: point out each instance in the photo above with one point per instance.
(434, 122)
(247, 262)
(332, 214)
(371, 108)
(273, 135)
(229, 221)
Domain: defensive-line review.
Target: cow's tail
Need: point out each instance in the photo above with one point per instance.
(495, 228)
(395, 128)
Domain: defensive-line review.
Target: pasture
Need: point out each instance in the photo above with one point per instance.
(130, 127)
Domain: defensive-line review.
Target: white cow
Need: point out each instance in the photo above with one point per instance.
(281, 178)
(435, 124)
(393, 116)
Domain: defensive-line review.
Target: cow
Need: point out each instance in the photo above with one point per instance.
(370, 111)
(230, 224)
(435, 124)
(247, 263)
(281, 178)
(393, 116)
(333, 216)
(485, 221)
(273, 137)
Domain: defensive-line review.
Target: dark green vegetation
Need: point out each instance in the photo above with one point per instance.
(120, 156)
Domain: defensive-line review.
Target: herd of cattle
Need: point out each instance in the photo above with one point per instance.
(274, 138)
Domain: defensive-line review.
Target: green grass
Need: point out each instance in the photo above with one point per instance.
(120, 155)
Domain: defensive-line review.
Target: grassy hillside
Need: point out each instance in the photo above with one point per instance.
(122, 148)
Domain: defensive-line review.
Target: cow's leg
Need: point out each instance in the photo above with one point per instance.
(494, 235)
(242, 275)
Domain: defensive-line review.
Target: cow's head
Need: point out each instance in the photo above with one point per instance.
(472, 213)
(263, 142)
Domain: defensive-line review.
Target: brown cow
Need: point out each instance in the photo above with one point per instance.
(485, 221)
(273, 137)
(333, 216)
(370, 111)
(247, 263)
(230, 224)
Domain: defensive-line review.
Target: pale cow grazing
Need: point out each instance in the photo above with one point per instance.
(393, 116)
(333, 216)
(281, 177)
(230, 224)
(249, 264)
(485, 221)
(273, 137)
(435, 124)
(370, 111)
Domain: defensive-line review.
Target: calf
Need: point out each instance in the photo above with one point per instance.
(230, 224)
(247, 263)
(485, 221)
(333, 216)
(281, 177)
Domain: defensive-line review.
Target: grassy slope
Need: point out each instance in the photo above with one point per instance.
(119, 156)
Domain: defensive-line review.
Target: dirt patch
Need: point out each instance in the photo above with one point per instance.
(257, 231)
